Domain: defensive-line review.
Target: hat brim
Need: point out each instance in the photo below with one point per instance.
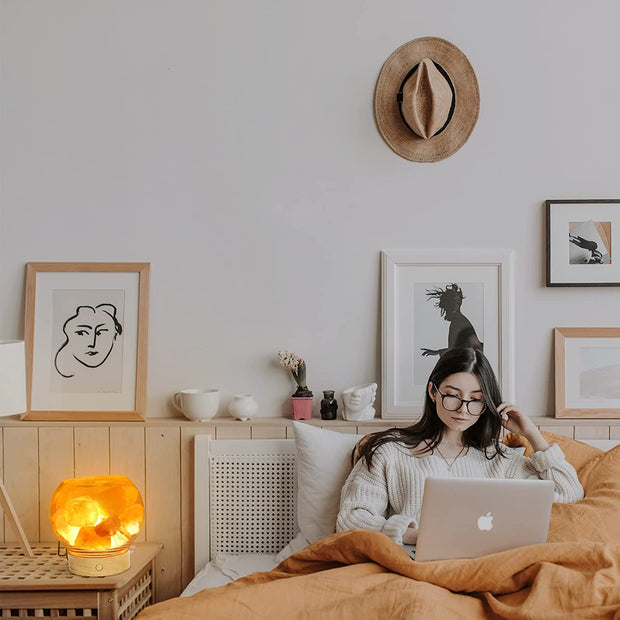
(393, 129)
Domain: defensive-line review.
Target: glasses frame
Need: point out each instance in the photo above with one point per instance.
(462, 400)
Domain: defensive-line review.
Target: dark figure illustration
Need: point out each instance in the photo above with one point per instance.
(587, 252)
(461, 332)
(90, 336)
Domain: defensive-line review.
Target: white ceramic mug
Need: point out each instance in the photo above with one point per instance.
(196, 403)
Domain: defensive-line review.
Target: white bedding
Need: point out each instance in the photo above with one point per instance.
(227, 568)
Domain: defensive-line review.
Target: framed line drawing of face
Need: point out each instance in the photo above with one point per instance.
(86, 340)
(581, 242)
(434, 300)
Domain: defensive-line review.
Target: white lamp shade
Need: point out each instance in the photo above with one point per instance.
(12, 377)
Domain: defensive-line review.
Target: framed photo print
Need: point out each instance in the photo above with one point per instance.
(587, 372)
(86, 335)
(434, 300)
(582, 242)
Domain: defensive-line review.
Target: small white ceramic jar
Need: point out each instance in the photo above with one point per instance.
(243, 407)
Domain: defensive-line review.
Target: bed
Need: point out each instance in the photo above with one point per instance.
(264, 514)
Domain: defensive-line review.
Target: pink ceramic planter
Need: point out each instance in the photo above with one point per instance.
(302, 407)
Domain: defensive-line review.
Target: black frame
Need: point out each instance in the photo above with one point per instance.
(548, 208)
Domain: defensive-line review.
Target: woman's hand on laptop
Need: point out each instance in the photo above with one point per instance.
(515, 421)
(410, 536)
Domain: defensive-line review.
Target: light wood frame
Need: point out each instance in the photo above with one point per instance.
(400, 271)
(564, 351)
(103, 274)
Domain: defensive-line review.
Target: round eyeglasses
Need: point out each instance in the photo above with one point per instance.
(454, 403)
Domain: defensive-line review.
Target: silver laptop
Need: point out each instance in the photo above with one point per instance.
(470, 517)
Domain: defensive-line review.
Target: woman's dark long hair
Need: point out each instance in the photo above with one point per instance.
(429, 429)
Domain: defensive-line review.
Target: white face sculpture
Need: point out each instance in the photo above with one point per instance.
(358, 402)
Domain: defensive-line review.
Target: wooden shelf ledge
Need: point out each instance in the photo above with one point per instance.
(280, 421)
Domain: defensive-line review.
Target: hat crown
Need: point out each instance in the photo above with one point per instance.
(427, 99)
(416, 115)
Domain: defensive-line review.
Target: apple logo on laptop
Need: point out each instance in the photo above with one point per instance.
(485, 522)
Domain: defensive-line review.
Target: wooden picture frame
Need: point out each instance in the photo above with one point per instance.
(86, 331)
(414, 325)
(587, 366)
(583, 238)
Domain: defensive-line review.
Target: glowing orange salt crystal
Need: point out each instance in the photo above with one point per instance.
(96, 513)
(89, 538)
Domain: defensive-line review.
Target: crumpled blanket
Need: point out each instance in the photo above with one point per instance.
(362, 574)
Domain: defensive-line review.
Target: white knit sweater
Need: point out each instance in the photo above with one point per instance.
(388, 497)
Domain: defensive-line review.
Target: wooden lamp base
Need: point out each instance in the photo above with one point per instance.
(98, 566)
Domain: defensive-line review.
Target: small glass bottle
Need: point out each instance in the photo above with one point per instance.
(329, 405)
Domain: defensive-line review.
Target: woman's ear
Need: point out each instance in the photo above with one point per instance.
(431, 391)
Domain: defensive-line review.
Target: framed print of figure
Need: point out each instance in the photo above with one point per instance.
(434, 300)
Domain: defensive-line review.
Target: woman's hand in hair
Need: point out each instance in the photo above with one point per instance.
(515, 421)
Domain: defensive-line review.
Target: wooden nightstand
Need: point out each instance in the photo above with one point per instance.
(43, 585)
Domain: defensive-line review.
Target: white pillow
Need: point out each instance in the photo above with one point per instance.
(323, 464)
(228, 567)
(297, 544)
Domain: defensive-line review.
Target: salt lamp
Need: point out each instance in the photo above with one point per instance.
(96, 519)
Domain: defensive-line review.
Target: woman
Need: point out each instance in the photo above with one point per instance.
(457, 436)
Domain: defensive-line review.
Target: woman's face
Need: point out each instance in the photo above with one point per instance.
(465, 386)
(91, 337)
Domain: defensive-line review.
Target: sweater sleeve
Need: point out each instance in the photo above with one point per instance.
(364, 502)
(549, 464)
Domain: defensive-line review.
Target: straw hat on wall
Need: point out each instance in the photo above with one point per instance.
(426, 100)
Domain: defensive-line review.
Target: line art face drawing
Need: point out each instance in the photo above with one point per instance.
(90, 336)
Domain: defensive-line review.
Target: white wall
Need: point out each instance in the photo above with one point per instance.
(233, 145)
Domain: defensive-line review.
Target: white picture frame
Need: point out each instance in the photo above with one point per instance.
(414, 282)
(86, 330)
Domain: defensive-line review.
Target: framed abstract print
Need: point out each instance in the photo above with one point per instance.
(587, 372)
(86, 332)
(581, 242)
